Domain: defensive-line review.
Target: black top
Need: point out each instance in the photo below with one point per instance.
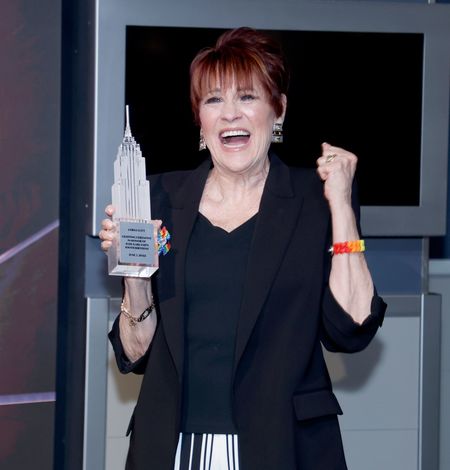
(216, 263)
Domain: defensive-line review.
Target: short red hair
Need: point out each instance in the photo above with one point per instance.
(240, 54)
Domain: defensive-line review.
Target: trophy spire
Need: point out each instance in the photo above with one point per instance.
(131, 190)
(127, 125)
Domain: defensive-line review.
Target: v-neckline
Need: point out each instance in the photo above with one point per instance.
(235, 230)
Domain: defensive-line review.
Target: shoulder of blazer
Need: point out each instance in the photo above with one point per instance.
(178, 188)
(308, 182)
(162, 184)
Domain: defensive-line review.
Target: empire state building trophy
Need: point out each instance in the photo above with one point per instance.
(134, 251)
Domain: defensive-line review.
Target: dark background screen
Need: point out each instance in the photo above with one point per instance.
(359, 91)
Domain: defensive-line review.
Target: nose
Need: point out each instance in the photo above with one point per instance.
(230, 110)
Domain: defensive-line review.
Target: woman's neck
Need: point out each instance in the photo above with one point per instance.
(223, 185)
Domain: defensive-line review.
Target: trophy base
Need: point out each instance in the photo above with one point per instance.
(133, 252)
(132, 271)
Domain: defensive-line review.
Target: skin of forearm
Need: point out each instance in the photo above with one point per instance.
(350, 280)
(136, 339)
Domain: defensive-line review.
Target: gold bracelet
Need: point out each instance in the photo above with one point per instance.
(133, 320)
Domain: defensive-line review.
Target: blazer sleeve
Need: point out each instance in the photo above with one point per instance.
(340, 333)
(123, 363)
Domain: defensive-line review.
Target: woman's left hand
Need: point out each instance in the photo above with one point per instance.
(350, 280)
(336, 167)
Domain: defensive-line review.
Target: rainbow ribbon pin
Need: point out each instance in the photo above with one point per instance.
(162, 240)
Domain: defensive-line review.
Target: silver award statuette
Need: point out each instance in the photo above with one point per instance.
(134, 252)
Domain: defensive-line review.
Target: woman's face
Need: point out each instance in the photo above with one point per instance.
(237, 127)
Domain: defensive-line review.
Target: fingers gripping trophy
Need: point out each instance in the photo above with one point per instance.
(137, 241)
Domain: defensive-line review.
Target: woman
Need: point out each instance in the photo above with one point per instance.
(230, 333)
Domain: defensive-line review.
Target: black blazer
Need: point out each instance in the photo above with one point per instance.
(283, 404)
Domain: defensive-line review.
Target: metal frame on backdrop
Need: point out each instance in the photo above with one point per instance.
(92, 125)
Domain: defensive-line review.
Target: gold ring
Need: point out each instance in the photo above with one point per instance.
(330, 158)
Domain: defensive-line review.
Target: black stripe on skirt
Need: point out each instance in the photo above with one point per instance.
(207, 452)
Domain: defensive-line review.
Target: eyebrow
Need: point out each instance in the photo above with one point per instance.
(218, 90)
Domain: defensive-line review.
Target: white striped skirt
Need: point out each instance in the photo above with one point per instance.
(207, 452)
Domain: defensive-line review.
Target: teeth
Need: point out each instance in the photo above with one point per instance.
(234, 133)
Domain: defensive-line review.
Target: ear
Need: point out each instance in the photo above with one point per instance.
(280, 119)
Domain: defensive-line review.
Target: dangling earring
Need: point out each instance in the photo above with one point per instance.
(277, 133)
(202, 143)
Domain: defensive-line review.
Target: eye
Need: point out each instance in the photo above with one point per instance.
(212, 100)
(248, 97)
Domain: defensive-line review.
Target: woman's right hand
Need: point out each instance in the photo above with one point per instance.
(108, 230)
(137, 296)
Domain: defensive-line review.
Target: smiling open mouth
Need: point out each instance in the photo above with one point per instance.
(235, 137)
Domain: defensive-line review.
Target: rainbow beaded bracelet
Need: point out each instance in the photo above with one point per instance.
(355, 246)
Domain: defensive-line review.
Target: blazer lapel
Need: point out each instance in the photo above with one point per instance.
(278, 214)
(185, 205)
(279, 210)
